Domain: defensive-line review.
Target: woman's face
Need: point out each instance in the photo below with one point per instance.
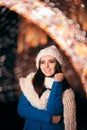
(48, 65)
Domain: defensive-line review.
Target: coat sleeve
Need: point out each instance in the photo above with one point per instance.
(55, 105)
(27, 111)
(69, 110)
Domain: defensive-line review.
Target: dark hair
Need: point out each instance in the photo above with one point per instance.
(38, 81)
(66, 85)
(39, 77)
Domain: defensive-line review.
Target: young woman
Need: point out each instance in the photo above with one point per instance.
(41, 103)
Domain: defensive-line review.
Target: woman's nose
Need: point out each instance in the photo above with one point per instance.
(46, 65)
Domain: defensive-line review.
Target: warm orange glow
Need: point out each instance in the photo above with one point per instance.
(30, 35)
(81, 49)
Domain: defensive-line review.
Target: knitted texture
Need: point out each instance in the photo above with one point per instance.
(51, 51)
(30, 93)
(40, 103)
(69, 110)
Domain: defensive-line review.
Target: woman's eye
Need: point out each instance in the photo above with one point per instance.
(42, 62)
(52, 61)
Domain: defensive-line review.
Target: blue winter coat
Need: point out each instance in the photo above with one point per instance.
(37, 119)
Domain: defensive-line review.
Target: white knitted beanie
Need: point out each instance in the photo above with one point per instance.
(50, 51)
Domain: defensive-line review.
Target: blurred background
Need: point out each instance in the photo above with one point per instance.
(19, 44)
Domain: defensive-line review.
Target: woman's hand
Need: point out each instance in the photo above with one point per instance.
(59, 77)
(56, 119)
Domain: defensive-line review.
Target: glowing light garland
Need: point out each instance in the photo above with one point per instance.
(62, 30)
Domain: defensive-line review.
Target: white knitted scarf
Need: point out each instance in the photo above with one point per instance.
(31, 94)
(40, 103)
